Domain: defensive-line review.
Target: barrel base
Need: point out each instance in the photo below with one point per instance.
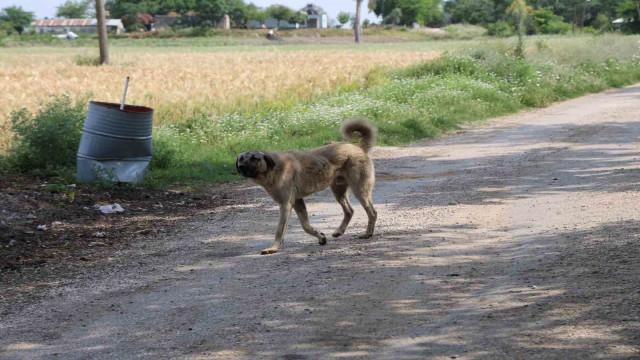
(129, 171)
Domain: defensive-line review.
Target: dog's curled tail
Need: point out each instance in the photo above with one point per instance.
(367, 133)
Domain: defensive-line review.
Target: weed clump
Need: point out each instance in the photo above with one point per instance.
(47, 141)
(86, 60)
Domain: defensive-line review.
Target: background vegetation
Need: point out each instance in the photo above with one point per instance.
(195, 141)
(541, 17)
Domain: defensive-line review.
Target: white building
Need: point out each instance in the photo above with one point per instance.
(87, 26)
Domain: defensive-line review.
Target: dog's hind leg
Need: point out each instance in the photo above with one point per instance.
(363, 194)
(285, 215)
(341, 192)
(301, 211)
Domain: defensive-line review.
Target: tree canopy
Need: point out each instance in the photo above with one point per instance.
(551, 16)
(16, 17)
(74, 9)
(424, 12)
(279, 12)
(343, 18)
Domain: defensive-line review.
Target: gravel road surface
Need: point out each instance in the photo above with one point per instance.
(519, 238)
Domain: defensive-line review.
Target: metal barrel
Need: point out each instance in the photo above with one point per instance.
(115, 144)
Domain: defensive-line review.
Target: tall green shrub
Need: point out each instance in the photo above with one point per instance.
(546, 22)
(48, 140)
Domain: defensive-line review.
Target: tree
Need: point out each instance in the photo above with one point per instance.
(211, 8)
(343, 18)
(119, 9)
(16, 17)
(419, 11)
(630, 11)
(519, 10)
(73, 9)
(357, 27)
(279, 12)
(394, 17)
(471, 11)
(546, 22)
(255, 13)
(602, 22)
(298, 17)
(237, 11)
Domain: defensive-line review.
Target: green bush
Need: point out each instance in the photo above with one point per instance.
(546, 22)
(164, 154)
(48, 140)
(465, 32)
(501, 29)
(601, 23)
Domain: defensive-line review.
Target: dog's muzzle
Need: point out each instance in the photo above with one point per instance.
(247, 172)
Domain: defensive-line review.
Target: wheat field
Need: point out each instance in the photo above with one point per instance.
(181, 82)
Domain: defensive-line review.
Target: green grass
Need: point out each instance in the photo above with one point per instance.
(476, 81)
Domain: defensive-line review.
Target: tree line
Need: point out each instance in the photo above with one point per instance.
(542, 16)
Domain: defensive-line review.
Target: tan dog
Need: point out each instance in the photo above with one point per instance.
(289, 176)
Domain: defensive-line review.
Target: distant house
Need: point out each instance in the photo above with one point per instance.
(316, 18)
(619, 22)
(87, 26)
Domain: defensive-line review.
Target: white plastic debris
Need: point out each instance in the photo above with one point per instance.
(99, 234)
(109, 209)
(42, 227)
(69, 35)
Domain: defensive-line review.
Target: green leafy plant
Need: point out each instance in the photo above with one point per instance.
(47, 140)
(500, 29)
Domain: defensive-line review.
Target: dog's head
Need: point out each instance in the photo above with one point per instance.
(250, 164)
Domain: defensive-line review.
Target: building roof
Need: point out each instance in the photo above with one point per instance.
(621, 21)
(75, 22)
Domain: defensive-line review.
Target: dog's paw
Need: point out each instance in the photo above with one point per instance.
(322, 240)
(268, 251)
(337, 233)
(365, 236)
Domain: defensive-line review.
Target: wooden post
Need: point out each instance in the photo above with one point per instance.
(358, 26)
(102, 33)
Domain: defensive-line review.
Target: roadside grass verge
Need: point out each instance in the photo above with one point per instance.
(417, 102)
(408, 104)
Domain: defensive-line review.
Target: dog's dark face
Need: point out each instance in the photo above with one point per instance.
(250, 164)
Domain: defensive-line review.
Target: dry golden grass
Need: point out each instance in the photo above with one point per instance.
(179, 83)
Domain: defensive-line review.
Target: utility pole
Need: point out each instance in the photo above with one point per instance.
(102, 33)
(358, 27)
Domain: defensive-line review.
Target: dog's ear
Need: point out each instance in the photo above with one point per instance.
(270, 163)
(238, 164)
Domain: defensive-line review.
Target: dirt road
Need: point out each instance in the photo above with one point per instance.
(517, 239)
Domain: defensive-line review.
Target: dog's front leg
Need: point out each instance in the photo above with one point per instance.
(285, 215)
(303, 216)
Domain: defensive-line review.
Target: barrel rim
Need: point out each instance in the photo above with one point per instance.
(134, 109)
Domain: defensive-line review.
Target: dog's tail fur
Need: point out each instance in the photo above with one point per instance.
(367, 133)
